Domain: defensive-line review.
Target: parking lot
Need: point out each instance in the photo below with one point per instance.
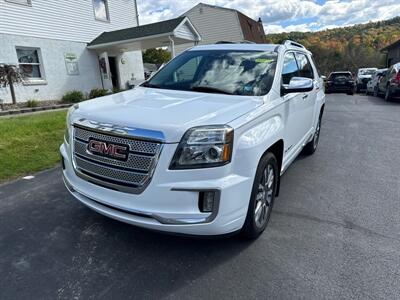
(334, 232)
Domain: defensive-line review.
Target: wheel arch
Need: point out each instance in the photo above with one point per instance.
(277, 149)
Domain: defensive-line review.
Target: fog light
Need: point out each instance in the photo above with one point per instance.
(206, 201)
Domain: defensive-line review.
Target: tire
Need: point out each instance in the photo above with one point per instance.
(376, 94)
(312, 146)
(350, 93)
(358, 89)
(262, 197)
(388, 94)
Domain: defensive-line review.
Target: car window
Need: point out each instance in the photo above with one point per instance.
(237, 72)
(315, 66)
(304, 66)
(290, 68)
(187, 71)
(346, 76)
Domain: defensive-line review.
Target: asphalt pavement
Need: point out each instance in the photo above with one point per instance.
(334, 231)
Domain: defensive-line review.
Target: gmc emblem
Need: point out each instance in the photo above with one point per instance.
(109, 150)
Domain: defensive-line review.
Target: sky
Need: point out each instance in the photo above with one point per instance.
(283, 15)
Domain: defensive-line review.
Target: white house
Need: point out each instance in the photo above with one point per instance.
(48, 39)
(69, 45)
(220, 24)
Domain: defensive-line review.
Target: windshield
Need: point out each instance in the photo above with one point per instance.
(247, 73)
(367, 72)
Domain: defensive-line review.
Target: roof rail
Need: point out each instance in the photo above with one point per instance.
(239, 42)
(294, 44)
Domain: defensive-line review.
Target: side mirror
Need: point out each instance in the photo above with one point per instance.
(323, 78)
(298, 85)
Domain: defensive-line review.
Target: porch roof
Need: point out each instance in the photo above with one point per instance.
(154, 35)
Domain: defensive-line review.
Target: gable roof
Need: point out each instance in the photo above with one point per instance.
(391, 46)
(252, 30)
(147, 30)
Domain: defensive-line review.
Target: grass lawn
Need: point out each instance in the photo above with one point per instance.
(29, 144)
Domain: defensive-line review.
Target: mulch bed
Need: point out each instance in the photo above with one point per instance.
(21, 108)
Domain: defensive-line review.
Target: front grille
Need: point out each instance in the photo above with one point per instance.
(132, 174)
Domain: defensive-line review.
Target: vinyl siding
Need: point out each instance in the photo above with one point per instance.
(71, 20)
(185, 32)
(214, 24)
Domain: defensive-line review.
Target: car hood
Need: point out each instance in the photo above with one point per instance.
(167, 111)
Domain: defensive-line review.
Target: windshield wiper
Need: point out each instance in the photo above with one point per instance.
(209, 89)
(149, 85)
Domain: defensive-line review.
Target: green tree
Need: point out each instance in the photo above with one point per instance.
(347, 48)
(156, 56)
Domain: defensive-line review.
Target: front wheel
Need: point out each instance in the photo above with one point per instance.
(388, 95)
(376, 94)
(262, 196)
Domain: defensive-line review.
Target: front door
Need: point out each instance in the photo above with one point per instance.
(113, 70)
(295, 107)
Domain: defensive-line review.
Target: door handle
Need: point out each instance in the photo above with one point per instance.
(305, 97)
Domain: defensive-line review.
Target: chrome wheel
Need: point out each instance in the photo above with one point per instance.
(264, 196)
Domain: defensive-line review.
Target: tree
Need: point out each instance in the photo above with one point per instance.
(10, 75)
(156, 56)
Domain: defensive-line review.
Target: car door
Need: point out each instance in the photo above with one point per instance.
(382, 81)
(306, 70)
(295, 108)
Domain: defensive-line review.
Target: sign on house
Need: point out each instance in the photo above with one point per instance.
(71, 63)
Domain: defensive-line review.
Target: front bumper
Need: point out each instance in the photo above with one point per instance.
(171, 200)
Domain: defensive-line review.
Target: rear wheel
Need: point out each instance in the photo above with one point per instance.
(312, 146)
(262, 196)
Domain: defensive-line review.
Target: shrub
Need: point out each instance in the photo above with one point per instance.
(32, 103)
(117, 90)
(73, 97)
(95, 93)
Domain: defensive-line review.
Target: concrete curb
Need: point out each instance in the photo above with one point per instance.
(33, 109)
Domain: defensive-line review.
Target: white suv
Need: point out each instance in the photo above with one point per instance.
(200, 147)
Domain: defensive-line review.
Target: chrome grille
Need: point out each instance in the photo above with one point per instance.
(130, 175)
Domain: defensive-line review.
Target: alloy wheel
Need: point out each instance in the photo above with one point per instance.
(264, 196)
(317, 134)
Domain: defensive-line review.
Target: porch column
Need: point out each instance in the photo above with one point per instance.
(172, 46)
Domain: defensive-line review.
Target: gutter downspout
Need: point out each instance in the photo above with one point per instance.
(137, 13)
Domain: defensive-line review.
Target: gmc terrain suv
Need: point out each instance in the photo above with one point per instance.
(199, 148)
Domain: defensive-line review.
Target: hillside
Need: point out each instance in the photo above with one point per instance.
(346, 48)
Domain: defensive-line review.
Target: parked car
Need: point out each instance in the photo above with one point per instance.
(389, 84)
(342, 82)
(200, 147)
(363, 76)
(373, 83)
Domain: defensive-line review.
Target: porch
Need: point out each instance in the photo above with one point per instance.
(120, 51)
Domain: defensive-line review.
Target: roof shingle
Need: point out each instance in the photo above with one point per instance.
(137, 32)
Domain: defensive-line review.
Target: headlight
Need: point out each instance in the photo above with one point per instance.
(69, 122)
(204, 147)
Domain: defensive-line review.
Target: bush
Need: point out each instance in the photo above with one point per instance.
(117, 90)
(95, 93)
(32, 103)
(73, 97)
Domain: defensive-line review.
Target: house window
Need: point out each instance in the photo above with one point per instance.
(101, 10)
(23, 2)
(29, 61)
